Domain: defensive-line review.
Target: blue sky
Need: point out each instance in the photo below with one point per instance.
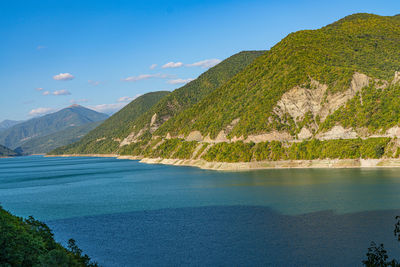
(99, 53)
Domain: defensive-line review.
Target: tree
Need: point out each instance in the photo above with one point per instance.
(377, 255)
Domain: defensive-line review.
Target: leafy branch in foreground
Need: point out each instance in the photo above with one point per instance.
(377, 255)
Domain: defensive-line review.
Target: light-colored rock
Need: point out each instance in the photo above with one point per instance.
(272, 136)
(338, 132)
(194, 136)
(132, 138)
(396, 77)
(221, 137)
(305, 133)
(153, 119)
(393, 132)
(298, 101)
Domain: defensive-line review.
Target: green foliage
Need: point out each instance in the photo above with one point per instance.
(377, 255)
(30, 243)
(374, 109)
(230, 152)
(371, 148)
(364, 43)
(138, 114)
(116, 127)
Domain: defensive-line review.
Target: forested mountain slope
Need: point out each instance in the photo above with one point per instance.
(327, 93)
(44, 144)
(106, 137)
(143, 122)
(74, 115)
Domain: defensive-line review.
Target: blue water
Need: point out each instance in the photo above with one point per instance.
(124, 213)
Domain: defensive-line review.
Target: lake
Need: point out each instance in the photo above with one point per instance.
(125, 213)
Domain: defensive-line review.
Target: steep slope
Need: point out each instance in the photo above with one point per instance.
(326, 62)
(74, 115)
(193, 92)
(298, 101)
(6, 152)
(106, 137)
(4, 125)
(144, 123)
(44, 144)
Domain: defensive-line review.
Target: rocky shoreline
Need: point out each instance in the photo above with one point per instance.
(256, 165)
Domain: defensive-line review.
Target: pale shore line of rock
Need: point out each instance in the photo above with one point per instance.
(284, 164)
(256, 165)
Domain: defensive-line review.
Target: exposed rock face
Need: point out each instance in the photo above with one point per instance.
(299, 101)
(305, 133)
(132, 138)
(194, 136)
(272, 136)
(338, 132)
(396, 77)
(153, 119)
(393, 132)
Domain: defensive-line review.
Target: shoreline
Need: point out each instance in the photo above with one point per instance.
(256, 165)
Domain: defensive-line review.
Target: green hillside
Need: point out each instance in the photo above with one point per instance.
(193, 92)
(135, 118)
(6, 152)
(28, 242)
(326, 93)
(44, 144)
(102, 139)
(74, 115)
(364, 43)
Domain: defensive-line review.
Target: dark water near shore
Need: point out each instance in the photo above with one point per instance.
(123, 213)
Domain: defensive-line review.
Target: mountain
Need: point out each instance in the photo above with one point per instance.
(44, 144)
(142, 122)
(4, 125)
(6, 152)
(74, 115)
(330, 93)
(106, 137)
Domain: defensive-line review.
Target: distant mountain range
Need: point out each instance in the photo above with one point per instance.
(31, 134)
(330, 93)
(4, 125)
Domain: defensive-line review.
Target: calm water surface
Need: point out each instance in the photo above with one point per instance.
(124, 213)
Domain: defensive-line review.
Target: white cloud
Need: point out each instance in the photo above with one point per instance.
(40, 47)
(40, 111)
(63, 77)
(39, 89)
(112, 108)
(76, 101)
(108, 108)
(172, 65)
(180, 81)
(153, 66)
(127, 98)
(208, 63)
(61, 92)
(94, 83)
(46, 93)
(145, 77)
